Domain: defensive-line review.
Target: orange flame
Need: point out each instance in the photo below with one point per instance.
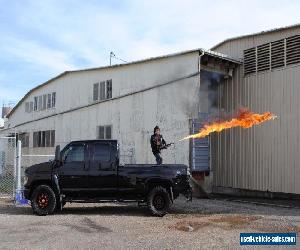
(244, 119)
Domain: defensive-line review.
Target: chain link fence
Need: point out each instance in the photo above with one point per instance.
(7, 167)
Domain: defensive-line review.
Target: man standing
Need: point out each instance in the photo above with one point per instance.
(157, 143)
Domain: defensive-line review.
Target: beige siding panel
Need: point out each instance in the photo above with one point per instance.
(265, 157)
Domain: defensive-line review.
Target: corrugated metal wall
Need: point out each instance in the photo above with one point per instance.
(267, 156)
(235, 47)
(264, 157)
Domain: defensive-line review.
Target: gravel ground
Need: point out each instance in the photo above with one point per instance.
(202, 224)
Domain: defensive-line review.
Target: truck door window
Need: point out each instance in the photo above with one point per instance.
(74, 153)
(102, 152)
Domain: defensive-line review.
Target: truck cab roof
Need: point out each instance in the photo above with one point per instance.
(99, 140)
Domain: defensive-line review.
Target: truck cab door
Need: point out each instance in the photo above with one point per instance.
(102, 176)
(72, 173)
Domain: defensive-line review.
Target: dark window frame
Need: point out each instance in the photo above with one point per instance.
(102, 132)
(108, 89)
(40, 102)
(43, 139)
(49, 101)
(31, 106)
(27, 107)
(102, 89)
(52, 138)
(95, 92)
(53, 100)
(44, 106)
(24, 138)
(35, 105)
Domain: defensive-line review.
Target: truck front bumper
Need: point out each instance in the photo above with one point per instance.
(185, 188)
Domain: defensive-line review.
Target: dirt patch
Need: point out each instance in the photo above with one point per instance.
(225, 222)
(231, 222)
(190, 226)
(235, 220)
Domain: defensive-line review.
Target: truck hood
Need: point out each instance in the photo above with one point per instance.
(44, 167)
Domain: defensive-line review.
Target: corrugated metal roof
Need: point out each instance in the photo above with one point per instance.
(207, 52)
(256, 34)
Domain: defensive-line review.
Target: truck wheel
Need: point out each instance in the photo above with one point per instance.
(43, 200)
(159, 201)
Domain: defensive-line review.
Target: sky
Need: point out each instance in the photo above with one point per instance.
(41, 39)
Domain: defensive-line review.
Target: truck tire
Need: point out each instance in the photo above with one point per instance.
(159, 201)
(43, 200)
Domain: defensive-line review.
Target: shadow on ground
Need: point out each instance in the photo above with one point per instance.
(180, 208)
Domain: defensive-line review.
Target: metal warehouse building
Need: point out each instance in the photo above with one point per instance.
(266, 157)
(180, 92)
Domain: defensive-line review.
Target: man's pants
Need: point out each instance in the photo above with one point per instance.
(158, 158)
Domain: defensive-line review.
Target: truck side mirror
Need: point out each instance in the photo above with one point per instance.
(57, 154)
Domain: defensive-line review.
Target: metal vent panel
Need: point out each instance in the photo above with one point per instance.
(293, 50)
(263, 57)
(250, 61)
(277, 54)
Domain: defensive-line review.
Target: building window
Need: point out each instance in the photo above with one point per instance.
(47, 138)
(105, 132)
(35, 140)
(102, 90)
(31, 106)
(53, 99)
(27, 107)
(52, 138)
(40, 104)
(96, 92)
(49, 101)
(44, 138)
(24, 138)
(35, 106)
(44, 102)
(108, 89)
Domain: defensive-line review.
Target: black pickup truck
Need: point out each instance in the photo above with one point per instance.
(89, 171)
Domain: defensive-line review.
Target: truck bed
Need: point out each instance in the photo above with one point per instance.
(153, 165)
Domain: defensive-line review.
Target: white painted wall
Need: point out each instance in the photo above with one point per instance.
(133, 117)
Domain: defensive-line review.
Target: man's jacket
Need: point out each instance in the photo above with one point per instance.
(157, 142)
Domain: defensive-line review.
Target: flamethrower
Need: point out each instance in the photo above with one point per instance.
(167, 145)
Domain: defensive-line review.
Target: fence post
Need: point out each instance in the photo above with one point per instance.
(19, 148)
(19, 191)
